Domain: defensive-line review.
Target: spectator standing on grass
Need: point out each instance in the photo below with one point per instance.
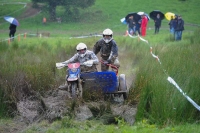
(179, 28)
(12, 29)
(138, 25)
(171, 25)
(144, 25)
(131, 25)
(157, 22)
(44, 20)
(175, 25)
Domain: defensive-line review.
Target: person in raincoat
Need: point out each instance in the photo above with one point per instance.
(108, 50)
(12, 29)
(144, 25)
(157, 22)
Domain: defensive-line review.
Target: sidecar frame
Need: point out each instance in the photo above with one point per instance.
(107, 82)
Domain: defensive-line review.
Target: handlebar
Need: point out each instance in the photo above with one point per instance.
(112, 66)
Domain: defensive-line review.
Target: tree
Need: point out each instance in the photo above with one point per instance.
(70, 5)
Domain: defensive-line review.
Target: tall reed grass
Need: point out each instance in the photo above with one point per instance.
(29, 66)
(159, 100)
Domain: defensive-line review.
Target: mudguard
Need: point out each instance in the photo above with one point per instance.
(105, 81)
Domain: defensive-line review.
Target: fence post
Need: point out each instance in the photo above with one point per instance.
(8, 41)
(24, 35)
(19, 37)
(138, 38)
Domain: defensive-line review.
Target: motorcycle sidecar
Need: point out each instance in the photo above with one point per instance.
(107, 82)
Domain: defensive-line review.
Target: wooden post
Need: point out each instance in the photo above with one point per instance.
(8, 41)
(24, 35)
(19, 37)
(138, 38)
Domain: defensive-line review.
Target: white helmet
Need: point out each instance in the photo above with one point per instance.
(109, 33)
(81, 49)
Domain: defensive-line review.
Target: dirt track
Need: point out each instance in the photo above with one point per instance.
(29, 12)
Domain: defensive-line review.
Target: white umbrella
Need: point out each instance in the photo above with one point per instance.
(141, 13)
(123, 20)
(11, 20)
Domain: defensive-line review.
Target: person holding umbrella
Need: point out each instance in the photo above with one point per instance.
(131, 25)
(12, 29)
(13, 25)
(157, 16)
(157, 22)
(138, 25)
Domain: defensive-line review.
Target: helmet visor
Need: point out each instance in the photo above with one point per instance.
(81, 51)
(107, 38)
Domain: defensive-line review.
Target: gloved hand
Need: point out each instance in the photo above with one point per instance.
(60, 65)
(109, 61)
(88, 63)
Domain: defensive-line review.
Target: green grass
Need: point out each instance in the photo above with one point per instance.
(106, 14)
(97, 127)
(158, 101)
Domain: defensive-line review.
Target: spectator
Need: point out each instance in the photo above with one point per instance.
(131, 25)
(171, 25)
(179, 28)
(157, 22)
(138, 25)
(44, 20)
(144, 25)
(175, 25)
(12, 29)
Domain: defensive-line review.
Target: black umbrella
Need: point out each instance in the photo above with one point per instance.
(154, 13)
(135, 16)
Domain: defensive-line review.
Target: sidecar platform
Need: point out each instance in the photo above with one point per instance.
(105, 81)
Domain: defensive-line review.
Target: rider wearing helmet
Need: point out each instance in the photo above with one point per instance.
(84, 56)
(108, 50)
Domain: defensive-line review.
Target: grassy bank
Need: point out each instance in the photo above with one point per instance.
(106, 14)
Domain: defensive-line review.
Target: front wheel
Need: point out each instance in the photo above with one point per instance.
(73, 90)
(80, 88)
